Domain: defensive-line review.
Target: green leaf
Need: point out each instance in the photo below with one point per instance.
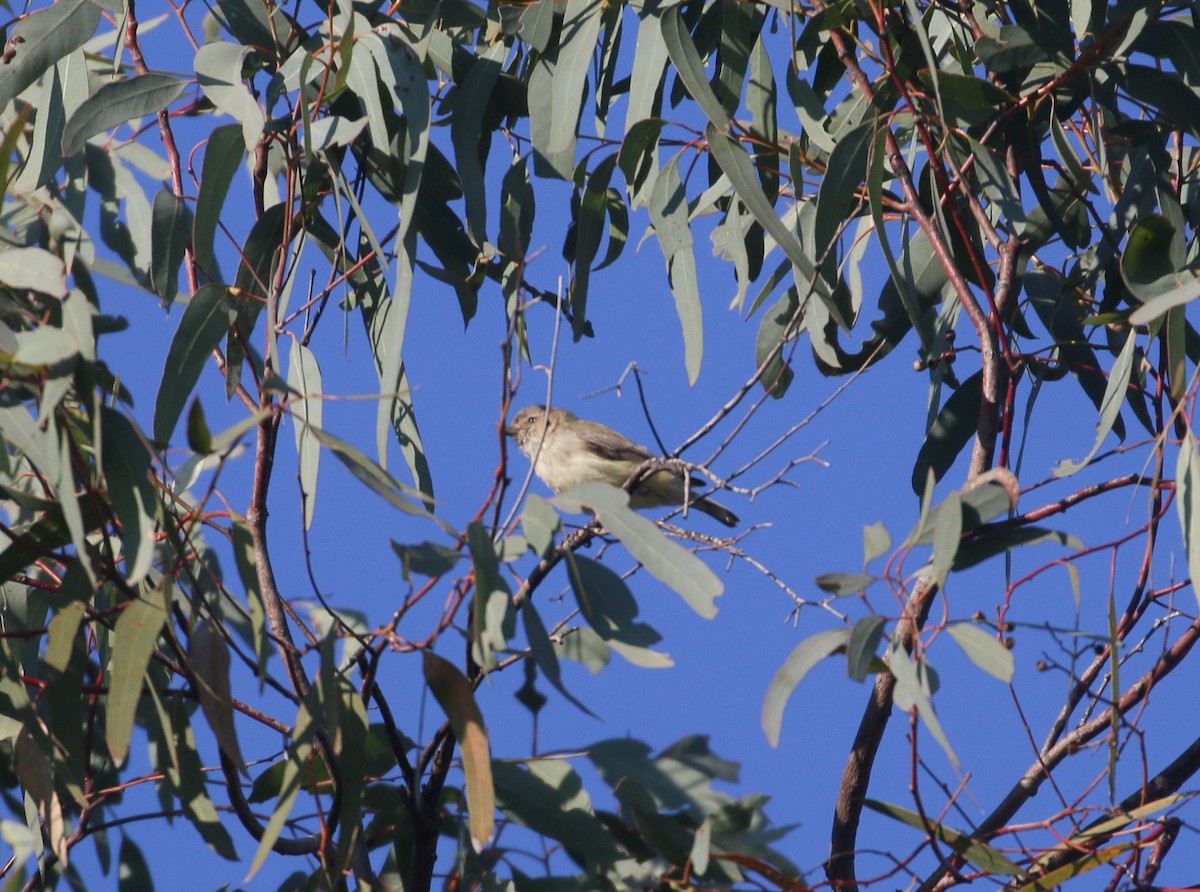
(1059, 311)
(255, 278)
(41, 39)
(1146, 263)
(1161, 91)
(453, 692)
(492, 611)
(33, 268)
(209, 657)
(912, 691)
(428, 559)
(289, 788)
(865, 636)
(736, 164)
(205, 321)
(335, 131)
(1183, 293)
(133, 873)
(607, 604)
(980, 854)
(542, 650)
(950, 433)
(222, 157)
(969, 92)
(983, 650)
(839, 193)
(1110, 406)
(589, 230)
(1187, 503)
(219, 70)
(168, 242)
(778, 326)
(551, 810)
(688, 63)
(304, 376)
(991, 542)
(383, 484)
(472, 101)
(669, 214)
(540, 522)
(876, 542)
(117, 102)
(136, 633)
(126, 463)
(667, 561)
(806, 655)
(555, 113)
(947, 534)
(199, 437)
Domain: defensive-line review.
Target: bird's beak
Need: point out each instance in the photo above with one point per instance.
(511, 431)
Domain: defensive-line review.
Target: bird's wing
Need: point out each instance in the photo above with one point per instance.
(608, 444)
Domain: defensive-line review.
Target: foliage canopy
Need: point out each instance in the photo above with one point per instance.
(1008, 189)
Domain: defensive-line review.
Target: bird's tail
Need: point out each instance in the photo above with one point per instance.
(718, 512)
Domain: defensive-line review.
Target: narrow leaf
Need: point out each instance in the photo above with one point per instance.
(304, 376)
(205, 321)
(1187, 501)
(118, 102)
(209, 657)
(807, 654)
(169, 231)
(1110, 406)
(136, 633)
(980, 854)
(453, 692)
(669, 214)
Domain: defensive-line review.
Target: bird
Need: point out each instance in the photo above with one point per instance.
(568, 451)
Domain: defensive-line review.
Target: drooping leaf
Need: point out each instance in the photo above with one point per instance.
(219, 70)
(865, 636)
(136, 634)
(1187, 503)
(950, 433)
(669, 213)
(913, 691)
(209, 656)
(688, 63)
(428, 559)
(1110, 406)
(947, 534)
(544, 656)
(492, 618)
(800, 661)
(222, 159)
(168, 242)
(205, 321)
(304, 376)
(453, 692)
(126, 463)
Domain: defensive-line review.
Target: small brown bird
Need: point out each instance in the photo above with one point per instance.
(567, 451)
